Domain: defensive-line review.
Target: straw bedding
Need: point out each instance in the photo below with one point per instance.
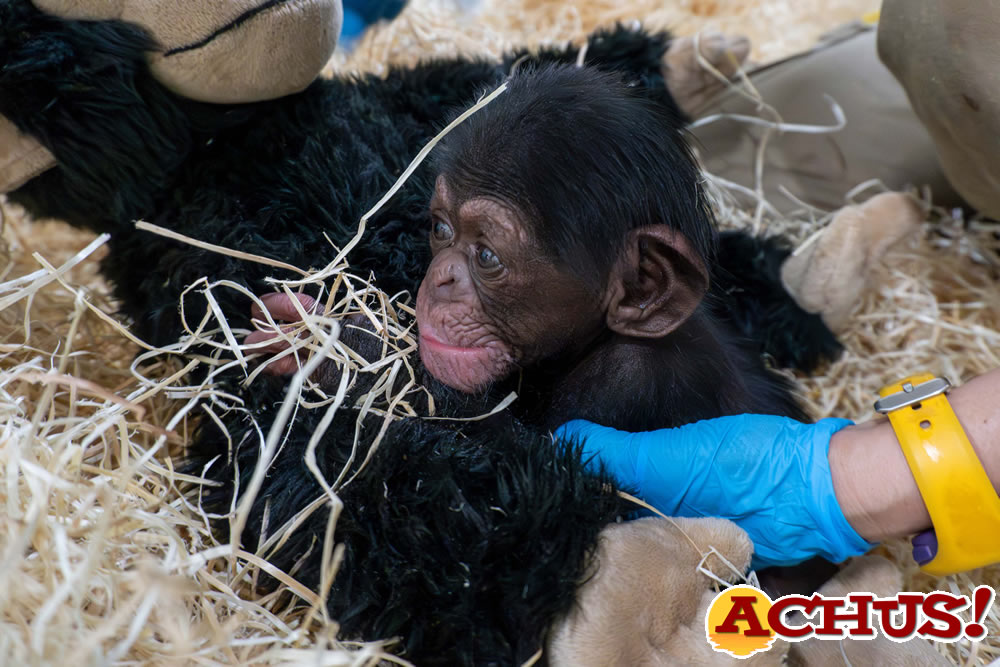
(105, 561)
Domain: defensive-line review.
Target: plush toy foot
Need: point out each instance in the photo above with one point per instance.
(644, 602)
(21, 157)
(828, 274)
(869, 574)
(225, 52)
(689, 81)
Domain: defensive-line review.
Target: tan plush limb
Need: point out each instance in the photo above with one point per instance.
(690, 79)
(829, 274)
(226, 51)
(21, 157)
(868, 574)
(644, 602)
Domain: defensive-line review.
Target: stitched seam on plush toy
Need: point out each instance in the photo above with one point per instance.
(235, 23)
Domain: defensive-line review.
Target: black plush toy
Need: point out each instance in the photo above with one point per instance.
(466, 539)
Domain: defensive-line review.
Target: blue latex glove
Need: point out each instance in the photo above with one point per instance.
(770, 475)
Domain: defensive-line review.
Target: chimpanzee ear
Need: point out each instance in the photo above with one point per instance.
(656, 285)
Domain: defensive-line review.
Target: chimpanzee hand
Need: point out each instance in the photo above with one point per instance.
(281, 309)
(356, 332)
(770, 475)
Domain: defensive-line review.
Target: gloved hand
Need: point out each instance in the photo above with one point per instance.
(770, 475)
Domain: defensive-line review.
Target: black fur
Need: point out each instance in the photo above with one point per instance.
(748, 272)
(467, 542)
(456, 538)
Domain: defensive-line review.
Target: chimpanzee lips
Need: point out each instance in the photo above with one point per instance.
(467, 369)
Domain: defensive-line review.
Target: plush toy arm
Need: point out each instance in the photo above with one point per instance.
(670, 69)
(82, 90)
(750, 295)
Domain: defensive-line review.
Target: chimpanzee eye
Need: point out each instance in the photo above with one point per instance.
(487, 258)
(441, 230)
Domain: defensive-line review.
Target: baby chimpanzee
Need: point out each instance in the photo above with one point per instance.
(572, 248)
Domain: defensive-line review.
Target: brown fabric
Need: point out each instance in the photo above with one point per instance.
(226, 51)
(21, 157)
(945, 54)
(882, 139)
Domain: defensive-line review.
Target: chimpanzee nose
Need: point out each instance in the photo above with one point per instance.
(449, 279)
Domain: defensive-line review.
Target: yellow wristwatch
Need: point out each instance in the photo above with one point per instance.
(961, 500)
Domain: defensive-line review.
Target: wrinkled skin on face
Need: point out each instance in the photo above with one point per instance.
(492, 301)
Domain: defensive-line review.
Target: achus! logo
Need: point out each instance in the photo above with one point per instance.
(743, 620)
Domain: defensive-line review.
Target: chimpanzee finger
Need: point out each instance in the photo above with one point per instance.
(265, 335)
(281, 307)
(284, 366)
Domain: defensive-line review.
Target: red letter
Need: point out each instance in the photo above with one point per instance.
(858, 621)
(863, 627)
(953, 624)
(827, 607)
(910, 602)
(775, 616)
(742, 610)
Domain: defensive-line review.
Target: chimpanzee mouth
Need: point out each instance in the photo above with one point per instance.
(451, 349)
(468, 369)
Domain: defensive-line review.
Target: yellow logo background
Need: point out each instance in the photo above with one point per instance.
(738, 644)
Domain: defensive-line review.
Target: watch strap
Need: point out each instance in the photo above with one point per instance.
(962, 503)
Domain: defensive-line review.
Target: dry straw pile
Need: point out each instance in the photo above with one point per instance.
(105, 561)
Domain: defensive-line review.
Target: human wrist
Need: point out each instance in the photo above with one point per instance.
(873, 483)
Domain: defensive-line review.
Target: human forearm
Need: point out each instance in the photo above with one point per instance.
(799, 490)
(872, 480)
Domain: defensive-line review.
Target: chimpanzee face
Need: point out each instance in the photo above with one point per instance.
(492, 300)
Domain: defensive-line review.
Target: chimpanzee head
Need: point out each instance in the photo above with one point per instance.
(568, 207)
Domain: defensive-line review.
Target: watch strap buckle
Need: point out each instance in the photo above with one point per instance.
(911, 394)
